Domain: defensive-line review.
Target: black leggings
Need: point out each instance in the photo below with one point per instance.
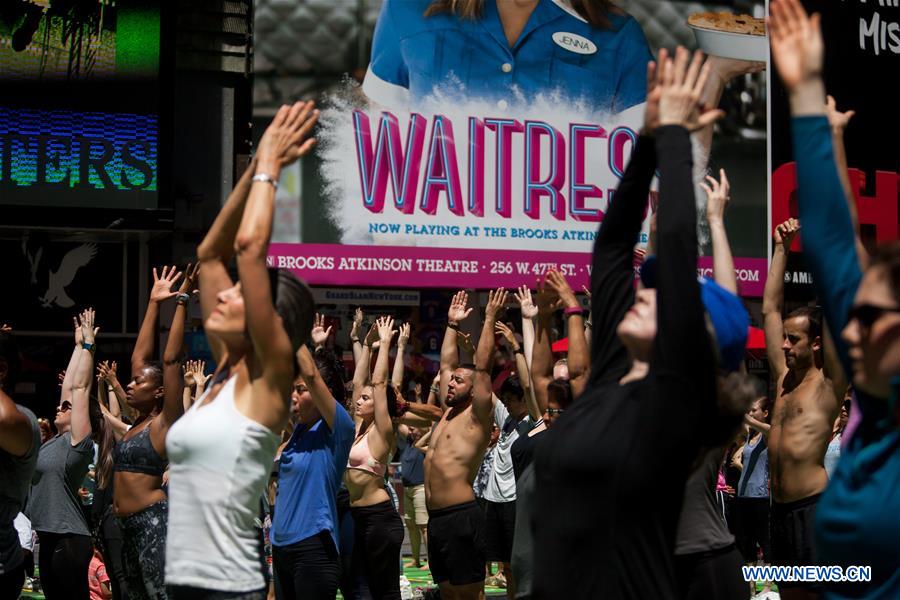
(378, 535)
(111, 538)
(64, 560)
(308, 569)
(752, 527)
(714, 574)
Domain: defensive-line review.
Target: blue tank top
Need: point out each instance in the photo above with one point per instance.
(754, 482)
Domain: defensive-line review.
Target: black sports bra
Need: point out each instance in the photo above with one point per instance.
(137, 455)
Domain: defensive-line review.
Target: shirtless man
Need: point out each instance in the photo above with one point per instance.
(802, 418)
(456, 541)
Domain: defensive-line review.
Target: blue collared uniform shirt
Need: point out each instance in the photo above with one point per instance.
(310, 471)
(558, 54)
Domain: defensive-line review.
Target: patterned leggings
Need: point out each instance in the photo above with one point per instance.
(144, 551)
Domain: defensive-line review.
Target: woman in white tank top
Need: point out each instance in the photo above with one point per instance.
(222, 449)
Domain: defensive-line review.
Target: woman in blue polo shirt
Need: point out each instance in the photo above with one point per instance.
(305, 549)
(586, 51)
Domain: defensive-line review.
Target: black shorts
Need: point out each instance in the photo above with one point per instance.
(456, 549)
(793, 535)
(500, 518)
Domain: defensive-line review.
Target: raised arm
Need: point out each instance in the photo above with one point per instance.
(271, 343)
(542, 367)
(578, 357)
(173, 357)
(383, 422)
(361, 372)
(422, 443)
(830, 244)
(717, 198)
(81, 381)
(459, 311)
(529, 312)
(612, 270)
(107, 379)
(482, 392)
(355, 330)
(159, 293)
(402, 341)
(759, 426)
(682, 344)
(217, 249)
(838, 122)
(318, 389)
(521, 368)
(773, 295)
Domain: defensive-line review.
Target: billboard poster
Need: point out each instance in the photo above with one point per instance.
(862, 46)
(475, 156)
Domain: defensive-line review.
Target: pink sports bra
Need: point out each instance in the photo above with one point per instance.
(361, 458)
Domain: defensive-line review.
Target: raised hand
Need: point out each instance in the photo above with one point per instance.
(459, 309)
(190, 277)
(86, 324)
(586, 291)
(500, 328)
(547, 299)
(403, 340)
(162, 284)
(836, 119)
(107, 371)
(717, 197)
(372, 337)
(496, 302)
(386, 331)
(561, 288)
(200, 374)
(188, 369)
(61, 377)
(797, 46)
(319, 334)
(654, 91)
(287, 137)
(785, 232)
(5, 328)
(464, 341)
(523, 297)
(357, 324)
(681, 88)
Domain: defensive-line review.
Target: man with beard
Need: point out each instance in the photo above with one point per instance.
(456, 541)
(802, 418)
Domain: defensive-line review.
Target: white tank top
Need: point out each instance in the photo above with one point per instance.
(219, 465)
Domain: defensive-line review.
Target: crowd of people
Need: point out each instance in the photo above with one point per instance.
(644, 463)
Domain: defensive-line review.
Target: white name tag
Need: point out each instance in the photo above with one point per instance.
(574, 43)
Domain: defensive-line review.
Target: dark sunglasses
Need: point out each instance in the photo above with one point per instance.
(867, 314)
(555, 412)
(65, 406)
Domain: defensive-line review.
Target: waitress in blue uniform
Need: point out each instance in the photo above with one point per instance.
(586, 51)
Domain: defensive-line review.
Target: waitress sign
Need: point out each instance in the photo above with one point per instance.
(480, 159)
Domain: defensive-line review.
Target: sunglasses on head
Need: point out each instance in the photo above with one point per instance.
(867, 314)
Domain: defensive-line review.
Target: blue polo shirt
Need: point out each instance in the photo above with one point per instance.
(558, 54)
(312, 465)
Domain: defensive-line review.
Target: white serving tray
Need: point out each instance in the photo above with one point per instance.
(732, 45)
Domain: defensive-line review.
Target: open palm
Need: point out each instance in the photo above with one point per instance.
(797, 46)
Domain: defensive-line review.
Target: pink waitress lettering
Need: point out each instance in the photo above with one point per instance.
(556, 177)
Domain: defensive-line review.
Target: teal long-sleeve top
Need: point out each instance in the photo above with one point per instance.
(858, 517)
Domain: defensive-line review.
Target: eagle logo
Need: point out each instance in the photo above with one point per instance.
(59, 280)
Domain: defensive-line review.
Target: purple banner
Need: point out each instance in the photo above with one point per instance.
(456, 268)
